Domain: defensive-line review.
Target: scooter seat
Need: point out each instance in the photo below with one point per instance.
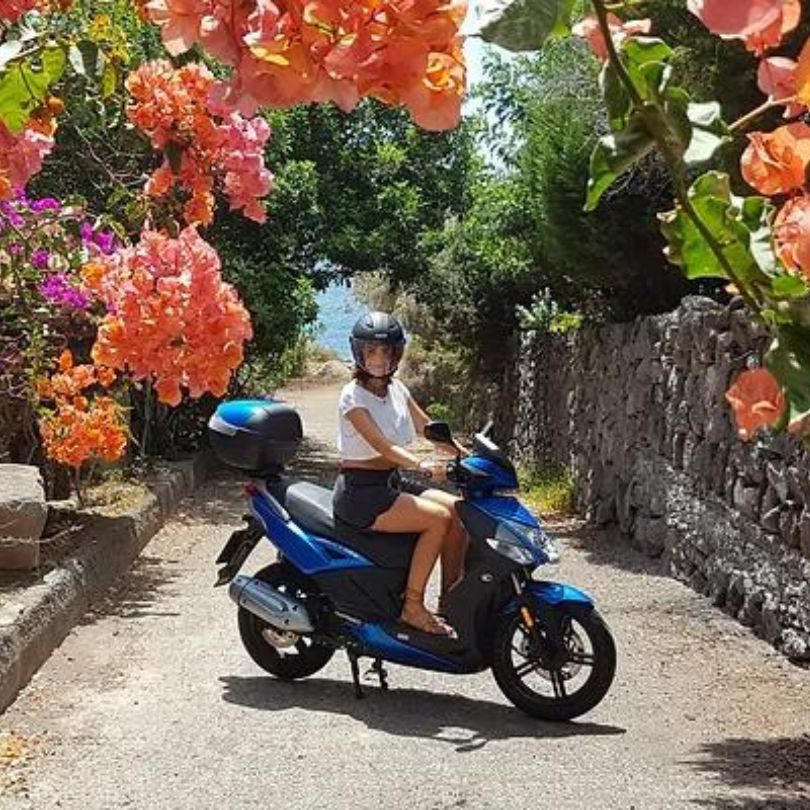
(310, 506)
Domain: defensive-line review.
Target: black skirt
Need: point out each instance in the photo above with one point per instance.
(361, 496)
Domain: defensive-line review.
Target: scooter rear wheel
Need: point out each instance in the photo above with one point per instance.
(563, 689)
(288, 656)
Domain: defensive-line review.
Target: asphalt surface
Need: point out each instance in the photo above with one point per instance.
(151, 702)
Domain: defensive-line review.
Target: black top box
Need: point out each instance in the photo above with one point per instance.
(259, 436)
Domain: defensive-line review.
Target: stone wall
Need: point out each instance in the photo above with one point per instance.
(638, 411)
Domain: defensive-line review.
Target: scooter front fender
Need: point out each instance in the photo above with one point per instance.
(553, 594)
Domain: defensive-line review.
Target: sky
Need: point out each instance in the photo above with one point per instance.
(474, 48)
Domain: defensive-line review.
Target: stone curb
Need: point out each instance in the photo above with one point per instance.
(36, 625)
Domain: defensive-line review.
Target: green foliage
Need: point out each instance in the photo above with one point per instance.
(480, 266)
(25, 82)
(546, 315)
(547, 490)
(523, 25)
(439, 412)
(740, 224)
(381, 183)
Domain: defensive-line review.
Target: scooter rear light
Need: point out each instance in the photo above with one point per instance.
(251, 489)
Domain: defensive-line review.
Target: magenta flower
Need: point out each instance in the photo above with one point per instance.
(39, 258)
(45, 204)
(58, 290)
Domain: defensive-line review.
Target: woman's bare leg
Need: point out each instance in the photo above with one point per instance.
(432, 520)
(454, 549)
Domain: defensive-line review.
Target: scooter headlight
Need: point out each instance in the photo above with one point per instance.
(541, 541)
(511, 548)
(524, 544)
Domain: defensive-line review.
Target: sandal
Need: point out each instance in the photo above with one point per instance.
(425, 622)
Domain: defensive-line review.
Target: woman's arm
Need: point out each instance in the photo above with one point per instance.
(420, 418)
(366, 426)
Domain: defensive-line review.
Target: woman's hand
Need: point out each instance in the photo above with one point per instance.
(436, 470)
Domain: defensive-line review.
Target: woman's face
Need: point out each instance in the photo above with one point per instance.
(380, 359)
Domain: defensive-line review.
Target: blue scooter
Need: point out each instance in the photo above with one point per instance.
(334, 587)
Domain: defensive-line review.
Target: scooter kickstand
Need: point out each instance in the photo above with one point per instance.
(358, 689)
(379, 670)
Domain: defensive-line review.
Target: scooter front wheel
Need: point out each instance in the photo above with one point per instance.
(286, 655)
(569, 684)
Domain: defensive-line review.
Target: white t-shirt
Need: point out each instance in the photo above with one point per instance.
(390, 413)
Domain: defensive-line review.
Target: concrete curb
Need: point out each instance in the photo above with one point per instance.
(37, 623)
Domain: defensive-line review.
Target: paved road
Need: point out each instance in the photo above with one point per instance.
(151, 703)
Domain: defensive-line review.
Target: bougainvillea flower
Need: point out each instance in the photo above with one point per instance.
(761, 24)
(756, 400)
(772, 36)
(589, 30)
(775, 162)
(792, 234)
(177, 109)
(435, 102)
(776, 78)
(179, 21)
(21, 155)
(287, 52)
(170, 317)
(12, 10)
(82, 430)
(58, 290)
(40, 258)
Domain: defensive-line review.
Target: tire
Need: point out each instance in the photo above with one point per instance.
(305, 657)
(561, 705)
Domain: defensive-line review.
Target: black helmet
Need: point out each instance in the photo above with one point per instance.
(373, 331)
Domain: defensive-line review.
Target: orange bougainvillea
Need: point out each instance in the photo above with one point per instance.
(760, 24)
(293, 51)
(174, 108)
(80, 428)
(170, 317)
(775, 162)
(757, 401)
(777, 79)
(792, 234)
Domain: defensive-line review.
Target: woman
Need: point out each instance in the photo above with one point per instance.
(378, 419)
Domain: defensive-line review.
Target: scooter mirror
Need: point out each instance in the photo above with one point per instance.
(439, 432)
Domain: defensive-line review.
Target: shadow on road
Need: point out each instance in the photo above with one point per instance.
(137, 594)
(609, 547)
(779, 768)
(462, 722)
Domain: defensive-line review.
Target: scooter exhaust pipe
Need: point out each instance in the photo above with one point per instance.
(264, 601)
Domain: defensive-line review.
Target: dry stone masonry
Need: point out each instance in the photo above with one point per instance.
(23, 513)
(638, 411)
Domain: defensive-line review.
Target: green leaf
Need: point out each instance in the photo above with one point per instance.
(737, 225)
(790, 286)
(520, 25)
(788, 357)
(617, 100)
(20, 92)
(53, 63)
(613, 155)
(109, 79)
(23, 87)
(709, 132)
(757, 214)
(562, 27)
(646, 60)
